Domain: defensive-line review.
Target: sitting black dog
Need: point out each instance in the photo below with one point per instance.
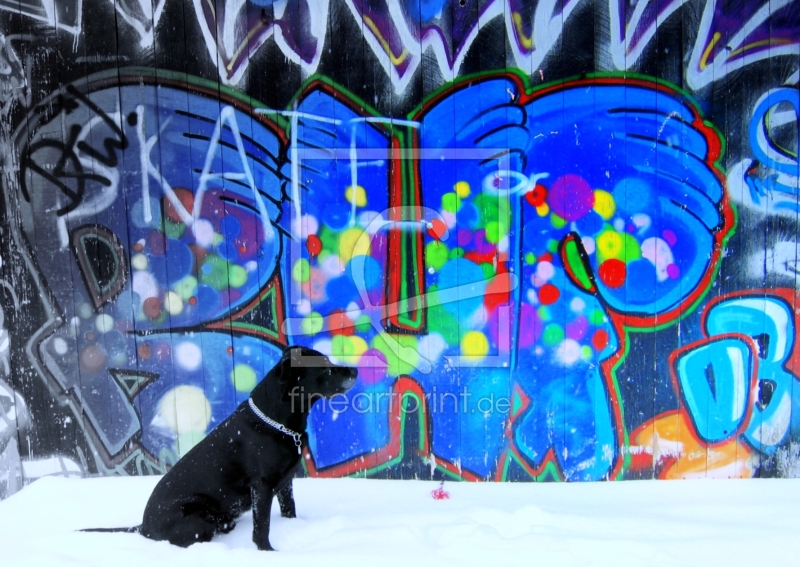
(245, 461)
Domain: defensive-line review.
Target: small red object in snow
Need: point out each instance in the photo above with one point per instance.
(440, 493)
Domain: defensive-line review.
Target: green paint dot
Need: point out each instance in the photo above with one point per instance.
(436, 255)
(488, 270)
(587, 353)
(301, 272)
(597, 317)
(185, 287)
(342, 346)
(451, 202)
(400, 352)
(495, 231)
(632, 249)
(442, 322)
(214, 272)
(363, 323)
(217, 239)
(312, 323)
(553, 334)
(552, 245)
(173, 229)
(244, 378)
(530, 258)
(557, 221)
(329, 239)
(237, 275)
(544, 313)
(457, 252)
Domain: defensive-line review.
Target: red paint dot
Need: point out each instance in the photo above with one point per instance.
(548, 294)
(193, 301)
(546, 257)
(152, 307)
(600, 340)
(613, 272)
(536, 196)
(144, 351)
(437, 229)
(313, 244)
(186, 199)
(340, 324)
(229, 350)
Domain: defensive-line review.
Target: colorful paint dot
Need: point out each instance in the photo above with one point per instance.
(549, 294)
(530, 258)
(340, 324)
(536, 197)
(313, 245)
(597, 317)
(312, 323)
(543, 210)
(139, 262)
(670, 237)
(237, 275)
(604, 204)
(451, 202)
(437, 229)
(152, 308)
(571, 197)
(474, 344)
(301, 271)
(356, 193)
(613, 273)
(462, 189)
(351, 243)
(553, 334)
(436, 255)
(600, 340)
(673, 271)
(557, 221)
(244, 378)
(173, 303)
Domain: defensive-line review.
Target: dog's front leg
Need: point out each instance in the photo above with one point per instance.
(286, 501)
(262, 505)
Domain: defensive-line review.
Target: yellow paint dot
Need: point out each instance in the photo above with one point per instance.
(358, 193)
(474, 344)
(604, 204)
(462, 189)
(351, 244)
(543, 210)
(609, 245)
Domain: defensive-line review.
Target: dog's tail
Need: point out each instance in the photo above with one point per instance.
(133, 530)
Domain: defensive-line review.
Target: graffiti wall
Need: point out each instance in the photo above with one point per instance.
(558, 239)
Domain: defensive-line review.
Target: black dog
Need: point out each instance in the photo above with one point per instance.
(245, 461)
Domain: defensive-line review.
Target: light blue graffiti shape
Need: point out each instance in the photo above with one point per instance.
(769, 321)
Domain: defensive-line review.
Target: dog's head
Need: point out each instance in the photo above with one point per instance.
(309, 373)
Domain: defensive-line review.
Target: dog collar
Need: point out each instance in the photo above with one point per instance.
(297, 437)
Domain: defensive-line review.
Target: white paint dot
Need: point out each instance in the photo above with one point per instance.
(188, 356)
(577, 305)
(185, 409)
(173, 303)
(568, 352)
(104, 323)
(60, 346)
(545, 271)
(588, 244)
(84, 311)
(203, 233)
(139, 262)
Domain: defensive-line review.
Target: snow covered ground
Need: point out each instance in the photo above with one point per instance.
(357, 522)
